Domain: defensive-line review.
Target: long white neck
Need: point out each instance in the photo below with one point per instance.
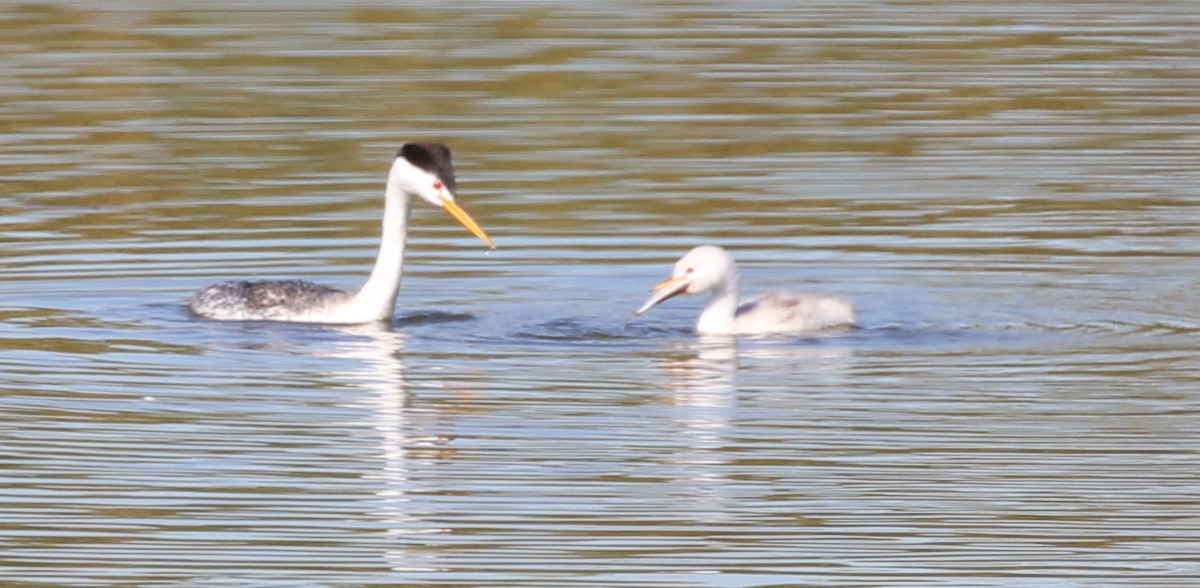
(719, 317)
(376, 300)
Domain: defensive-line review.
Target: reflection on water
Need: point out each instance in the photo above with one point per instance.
(1006, 191)
(702, 391)
(380, 370)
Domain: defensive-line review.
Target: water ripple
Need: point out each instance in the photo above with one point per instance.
(1005, 190)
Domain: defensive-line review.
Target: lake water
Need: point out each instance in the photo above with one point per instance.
(1008, 192)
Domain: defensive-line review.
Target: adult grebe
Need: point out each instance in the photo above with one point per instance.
(420, 169)
(711, 268)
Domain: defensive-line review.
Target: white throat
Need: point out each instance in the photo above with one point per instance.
(719, 317)
(376, 300)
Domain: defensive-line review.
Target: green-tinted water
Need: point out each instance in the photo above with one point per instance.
(1008, 191)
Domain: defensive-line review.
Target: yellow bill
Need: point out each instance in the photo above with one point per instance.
(465, 220)
(665, 290)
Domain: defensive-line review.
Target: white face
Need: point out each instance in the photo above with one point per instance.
(704, 267)
(414, 180)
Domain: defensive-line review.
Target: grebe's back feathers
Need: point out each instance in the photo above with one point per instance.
(264, 300)
(798, 311)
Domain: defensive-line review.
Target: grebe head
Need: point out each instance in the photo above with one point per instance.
(425, 169)
(702, 269)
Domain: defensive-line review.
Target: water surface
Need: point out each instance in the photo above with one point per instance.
(1007, 192)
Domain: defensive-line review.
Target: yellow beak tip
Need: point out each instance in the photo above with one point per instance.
(465, 220)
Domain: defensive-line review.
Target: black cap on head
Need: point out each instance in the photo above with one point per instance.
(433, 158)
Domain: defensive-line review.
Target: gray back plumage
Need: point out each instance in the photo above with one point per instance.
(263, 300)
(806, 311)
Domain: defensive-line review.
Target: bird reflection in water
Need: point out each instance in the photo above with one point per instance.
(699, 383)
(379, 351)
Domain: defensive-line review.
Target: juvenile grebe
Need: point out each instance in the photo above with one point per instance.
(711, 268)
(420, 169)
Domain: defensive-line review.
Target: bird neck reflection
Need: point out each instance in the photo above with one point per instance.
(379, 371)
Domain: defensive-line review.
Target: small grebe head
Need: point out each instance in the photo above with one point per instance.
(702, 269)
(424, 169)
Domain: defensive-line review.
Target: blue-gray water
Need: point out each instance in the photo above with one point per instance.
(1007, 191)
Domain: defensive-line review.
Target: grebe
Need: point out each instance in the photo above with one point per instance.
(711, 268)
(420, 169)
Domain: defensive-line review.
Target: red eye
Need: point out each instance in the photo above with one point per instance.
(437, 185)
